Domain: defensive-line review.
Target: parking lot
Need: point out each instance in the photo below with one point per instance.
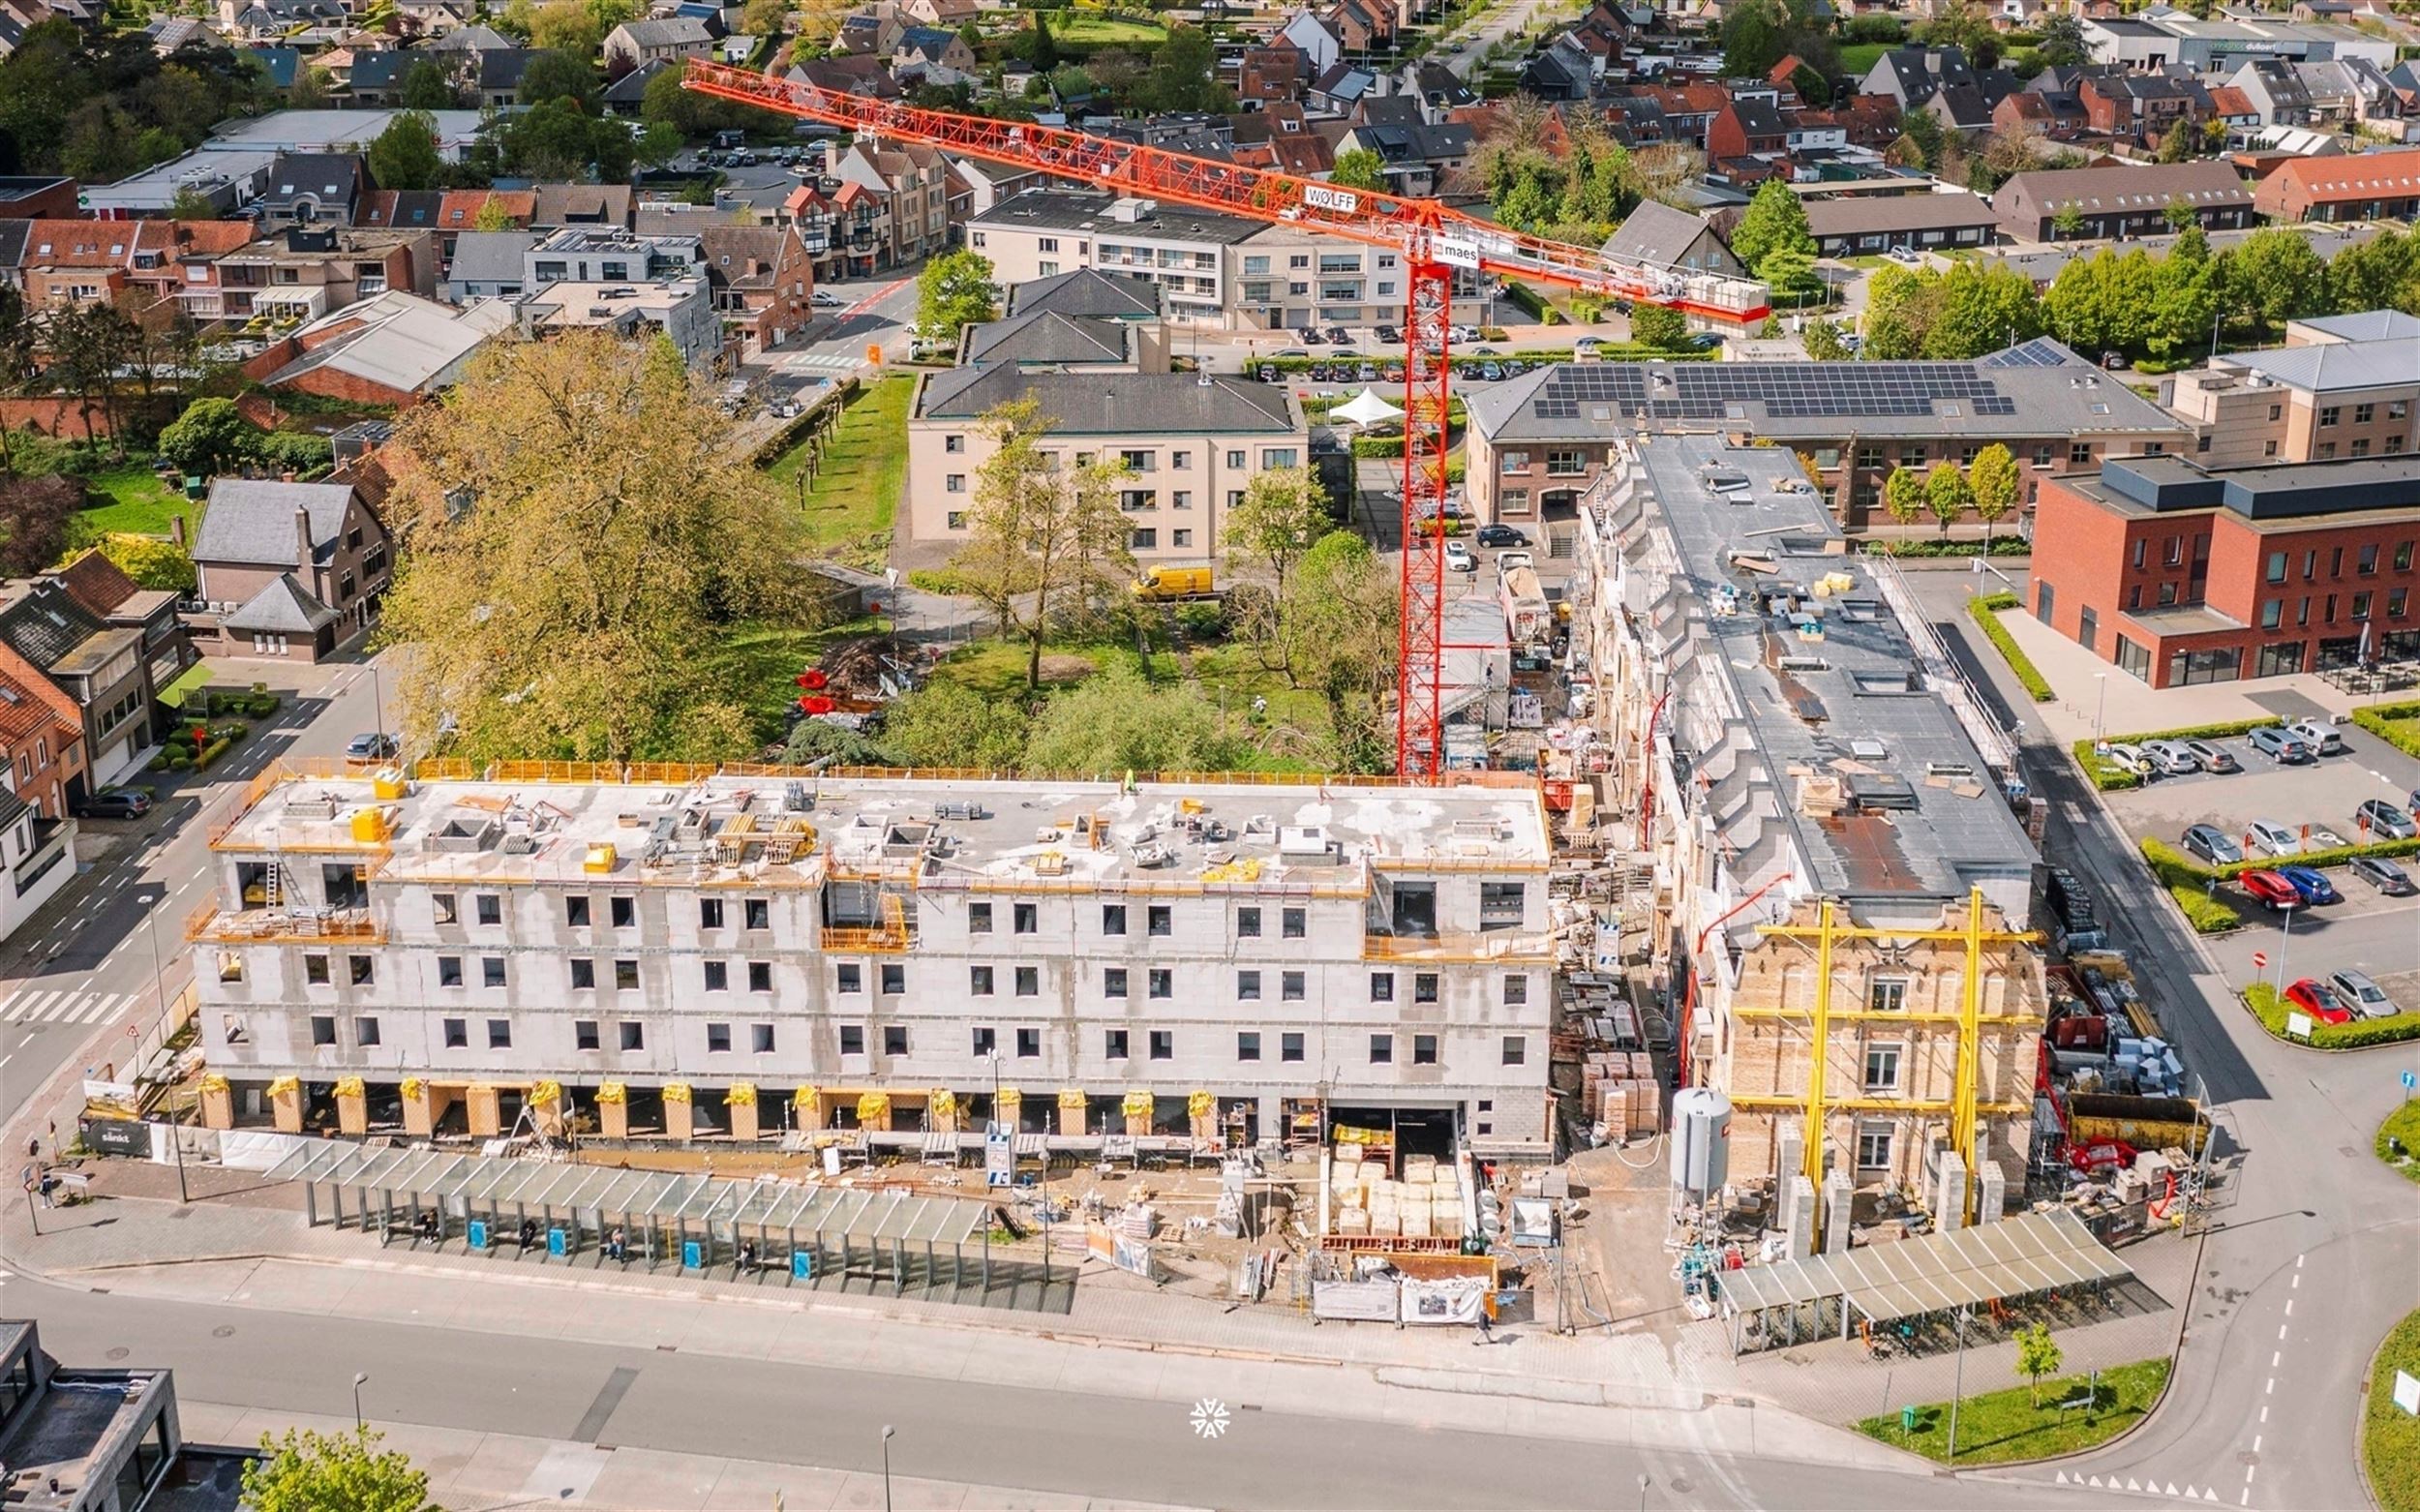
(2368, 930)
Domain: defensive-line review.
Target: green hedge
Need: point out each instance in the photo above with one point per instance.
(1985, 612)
(2189, 885)
(2334, 855)
(214, 750)
(2104, 776)
(2270, 1007)
(2200, 731)
(2397, 724)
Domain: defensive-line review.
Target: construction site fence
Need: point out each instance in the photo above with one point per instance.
(450, 769)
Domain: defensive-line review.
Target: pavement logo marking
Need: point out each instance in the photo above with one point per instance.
(607, 1397)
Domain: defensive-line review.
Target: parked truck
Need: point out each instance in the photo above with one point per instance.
(1174, 584)
(1528, 618)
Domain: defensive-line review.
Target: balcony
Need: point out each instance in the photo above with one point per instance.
(1497, 947)
(284, 925)
(50, 847)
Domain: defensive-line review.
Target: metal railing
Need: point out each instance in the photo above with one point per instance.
(1509, 948)
(337, 926)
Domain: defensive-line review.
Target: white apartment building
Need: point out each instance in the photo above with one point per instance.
(879, 952)
(1189, 253)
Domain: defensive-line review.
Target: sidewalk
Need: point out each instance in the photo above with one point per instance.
(471, 1470)
(1123, 1338)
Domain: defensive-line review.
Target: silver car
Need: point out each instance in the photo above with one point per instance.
(2213, 756)
(2357, 991)
(2171, 758)
(2273, 838)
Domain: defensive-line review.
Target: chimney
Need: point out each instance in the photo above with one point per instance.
(302, 536)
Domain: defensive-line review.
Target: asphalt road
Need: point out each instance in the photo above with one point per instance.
(2310, 1257)
(81, 972)
(800, 1413)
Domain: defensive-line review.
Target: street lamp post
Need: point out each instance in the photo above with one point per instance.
(159, 993)
(361, 1378)
(1644, 1483)
(1958, 1386)
(886, 1432)
(2100, 702)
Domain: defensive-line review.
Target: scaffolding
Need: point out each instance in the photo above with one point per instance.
(1962, 1110)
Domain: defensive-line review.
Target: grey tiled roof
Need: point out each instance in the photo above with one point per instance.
(284, 607)
(252, 520)
(1655, 233)
(1114, 404)
(1086, 292)
(46, 623)
(1047, 336)
(490, 257)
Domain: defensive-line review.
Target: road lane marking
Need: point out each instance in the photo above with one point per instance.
(2255, 1443)
(2290, 1306)
(2280, 1331)
(2264, 1411)
(29, 1039)
(2276, 1356)
(2298, 1259)
(5, 1059)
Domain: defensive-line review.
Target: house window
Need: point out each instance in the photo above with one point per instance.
(710, 913)
(979, 980)
(1382, 1049)
(491, 908)
(1029, 981)
(625, 913)
(1424, 986)
(584, 1033)
(361, 970)
(1028, 1045)
(499, 1034)
(717, 975)
(1027, 918)
(457, 1033)
(1159, 919)
(627, 975)
(1248, 986)
(1881, 1068)
(492, 971)
(576, 911)
(1114, 1044)
(1162, 1044)
(954, 483)
(316, 969)
(322, 1029)
(1114, 982)
(893, 980)
(1247, 924)
(1292, 923)
(2329, 414)
(1873, 1147)
(986, 1042)
(1516, 990)
(1289, 1046)
(848, 976)
(1247, 1045)
(1424, 1049)
(1113, 919)
(761, 1038)
(365, 1031)
(1162, 983)
(442, 903)
(852, 1039)
(759, 913)
(717, 1038)
(1516, 1050)
(894, 1040)
(979, 919)
(760, 975)
(1381, 987)
(1887, 994)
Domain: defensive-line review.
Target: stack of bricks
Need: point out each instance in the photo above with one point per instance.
(1425, 1204)
(1619, 1090)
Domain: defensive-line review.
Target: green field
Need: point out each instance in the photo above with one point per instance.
(847, 508)
(139, 504)
(2390, 1436)
(758, 665)
(1999, 1425)
(1079, 29)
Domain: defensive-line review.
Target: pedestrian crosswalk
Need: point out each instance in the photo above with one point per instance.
(37, 1006)
(822, 362)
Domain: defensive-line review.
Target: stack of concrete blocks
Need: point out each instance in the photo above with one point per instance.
(1425, 1203)
(1618, 1090)
(1838, 1195)
(1991, 1192)
(1949, 1197)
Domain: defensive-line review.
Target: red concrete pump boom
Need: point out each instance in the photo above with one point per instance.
(1431, 238)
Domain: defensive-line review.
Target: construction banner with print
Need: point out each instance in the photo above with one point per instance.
(1458, 1299)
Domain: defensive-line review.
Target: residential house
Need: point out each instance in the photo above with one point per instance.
(410, 209)
(975, 186)
(494, 78)
(1337, 90)
(1747, 126)
(612, 255)
(667, 39)
(2369, 186)
(76, 262)
(1439, 88)
(1287, 277)
(104, 590)
(301, 274)
(1089, 294)
(1689, 110)
(2142, 107)
(1417, 158)
(2276, 90)
(489, 265)
(676, 307)
(1657, 235)
(844, 231)
(1911, 76)
(462, 210)
(1317, 39)
(2121, 200)
(396, 349)
(923, 48)
(1270, 75)
(2033, 111)
(1046, 339)
(866, 74)
(1362, 25)
(43, 777)
(761, 278)
(911, 182)
(290, 572)
(103, 666)
(313, 189)
(557, 206)
(1561, 70)
(1191, 254)
(1192, 444)
(376, 77)
(1864, 224)
(2234, 109)
(36, 196)
(870, 31)
(627, 96)
(948, 15)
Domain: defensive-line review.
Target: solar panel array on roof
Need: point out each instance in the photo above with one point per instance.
(1713, 391)
(2042, 351)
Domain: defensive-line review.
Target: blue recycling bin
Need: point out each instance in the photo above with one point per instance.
(476, 1234)
(692, 1256)
(558, 1243)
(802, 1265)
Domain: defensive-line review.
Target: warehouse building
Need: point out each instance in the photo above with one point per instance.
(739, 953)
(1837, 856)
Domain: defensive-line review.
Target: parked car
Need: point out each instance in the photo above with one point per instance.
(2322, 736)
(2213, 756)
(2213, 845)
(1289, 352)
(1586, 344)
(1339, 336)
(1367, 373)
(118, 803)
(1266, 373)
(1309, 336)
(2267, 886)
(1482, 351)
(369, 747)
(2357, 991)
(1389, 335)
(2279, 745)
(1906, 256)
(1492, 372)
(1318, 373)
(2171, 759)
(2312, 997)
(2383, 875)
(1514, 367)
(1462, 333)
(2131, 758)
(2268, 838)
(1501, 535)
(2312, 883)
(1458, 557)
(1391, 372)
(1512, 560)
(2384, 821)
(826, 299)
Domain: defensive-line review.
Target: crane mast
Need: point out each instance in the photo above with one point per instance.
(1430, 238)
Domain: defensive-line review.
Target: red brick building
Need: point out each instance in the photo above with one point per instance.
(2181, 574)
(2369, 186)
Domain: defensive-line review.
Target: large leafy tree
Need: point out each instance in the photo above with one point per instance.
(1658, 326)
(211, 436)
(560, 73)
(1903, 495)
(1946, 494)
(35, 514)
(1978, 309)
(1358, 167)
(953, 291)
(1183, 74)
(1115, 722)
(1753, 40)
(309, 1471)
(428, 86)
(1341, 612)
(1993, 481)
(405, 155)
(1775, 220)
(1048, 544)
(2274, 276)
(1283, 514)
(581, 536)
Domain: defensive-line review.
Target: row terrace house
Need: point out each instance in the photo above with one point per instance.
(1191, 447)
(305, 272)
(668, 39)
(1537, 443)
(103, 666)
(2371, 186)
(290, 572)
(2110, 203)
(1860, 225)
(42, 779)
(762, 280)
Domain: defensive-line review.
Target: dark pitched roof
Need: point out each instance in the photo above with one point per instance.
(284, 607)
(1655, 233)
(252, 520)
(1116, 404)
(380, 70)
(46, 623)
(502, 68)
(631, 87)
(1758, 118)
(1045, 336)
(296, 173)
(1087, 294)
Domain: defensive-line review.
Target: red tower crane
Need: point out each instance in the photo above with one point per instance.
(1432, 239)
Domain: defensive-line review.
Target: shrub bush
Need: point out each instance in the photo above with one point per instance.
(2188, 886)
(179, 760)
(1205, 619)
(2104, 776)
(213, 751)
(2198, 732)
(2169, 861)
(1985, 612)
(261, 707)
(2397, 724)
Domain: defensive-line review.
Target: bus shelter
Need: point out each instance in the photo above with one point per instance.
(558, 1213)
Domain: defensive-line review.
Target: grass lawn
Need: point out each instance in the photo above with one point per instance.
(760, 663)
(1999, 1425)
(996, 669)
(850, 503)
(1858, 58)
(1073, 29)
(139, 504)
(2390, 1436)
(2403, 1124)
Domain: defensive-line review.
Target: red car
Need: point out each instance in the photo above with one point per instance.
(2271, 889)
(2316, 999)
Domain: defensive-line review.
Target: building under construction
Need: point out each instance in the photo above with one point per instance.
(1840, 858)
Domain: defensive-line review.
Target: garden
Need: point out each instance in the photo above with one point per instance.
(211, 720)
(2273, 1010)
(2038, 1421)
(2390, 1436)
(847, 480)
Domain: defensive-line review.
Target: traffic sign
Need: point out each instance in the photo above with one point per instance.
(999, 1155)
(2259, 961)
(2411, 1079)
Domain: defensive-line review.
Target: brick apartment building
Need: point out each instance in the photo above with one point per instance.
(2120, 201)
(2372, 186)
(2180, 574)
